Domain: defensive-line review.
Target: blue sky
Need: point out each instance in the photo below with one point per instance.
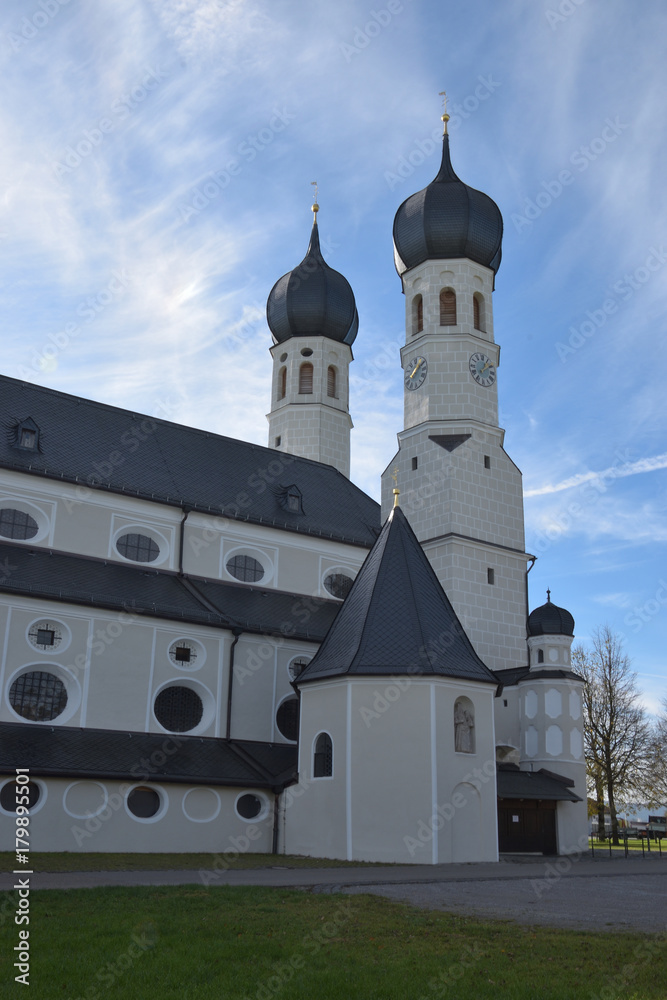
(156, 158)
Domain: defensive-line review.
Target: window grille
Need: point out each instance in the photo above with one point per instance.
(287, 718)
(17, 524)
(38, 696)
(297, 667)
(245, 568)
(323, 758)
(447, 307)
(178, 709)
(138, 548)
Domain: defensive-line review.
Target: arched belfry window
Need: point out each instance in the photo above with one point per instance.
(305, 379)
(447, 307)
(417, 314)
(478, 311)
(464, 726)
(282, 383)
(540, 656)
(331, 382)
(323, 757)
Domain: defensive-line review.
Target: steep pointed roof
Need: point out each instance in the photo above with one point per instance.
(396, 619)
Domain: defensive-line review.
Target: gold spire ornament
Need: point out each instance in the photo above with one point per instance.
(444, 118)
(315, 206)
(395, 490)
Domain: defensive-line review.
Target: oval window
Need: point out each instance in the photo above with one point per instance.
(245, 568)
(11, 790)
(143, 802)
(287, 719)
(338, 584)
(249, 806)
(17, 524)
(178, 709)
(38, 696)
(138, 548)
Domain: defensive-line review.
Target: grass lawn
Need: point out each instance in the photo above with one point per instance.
(177, 943)
(78, 862)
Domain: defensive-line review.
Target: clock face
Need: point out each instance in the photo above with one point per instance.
(415, 373)
(482, 369)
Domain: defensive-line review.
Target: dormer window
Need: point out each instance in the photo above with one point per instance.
(290, 499)
(27, 435)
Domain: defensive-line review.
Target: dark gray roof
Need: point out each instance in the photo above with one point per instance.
(313, 299)
(63, 751)
(549, 619)
(106, 448)
(118, 586)
(447, 219)
(396, 619)
(508, 678)
(542, 784)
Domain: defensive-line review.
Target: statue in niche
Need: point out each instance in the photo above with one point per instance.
(464, 729)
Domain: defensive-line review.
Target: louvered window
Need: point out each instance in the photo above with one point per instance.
(447, 307)
(305, 379)
(476, 313)
(417, 315)
(282, 383)
(331, 382)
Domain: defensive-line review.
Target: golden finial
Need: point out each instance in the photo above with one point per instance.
(444, 118)
(395, 490)
(315, 206)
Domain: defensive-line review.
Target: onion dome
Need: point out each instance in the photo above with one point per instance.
(312, 300)
(550, 620)
(446, 220)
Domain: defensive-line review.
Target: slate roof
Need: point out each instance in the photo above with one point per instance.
(118, 586)
(396, 619)
(508, 678)
(515, 784)
(63, 751)
(107, 448)
(549, 619)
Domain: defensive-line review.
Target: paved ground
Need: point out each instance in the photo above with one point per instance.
(603, 894)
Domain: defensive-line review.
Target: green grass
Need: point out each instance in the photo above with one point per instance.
(186, 942)
(78, 862)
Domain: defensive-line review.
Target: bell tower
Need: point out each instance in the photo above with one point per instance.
(312, 315)
(461, 491)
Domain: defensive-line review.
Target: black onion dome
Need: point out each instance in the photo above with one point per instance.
(446, 220)
(312, 300)
(550, 620)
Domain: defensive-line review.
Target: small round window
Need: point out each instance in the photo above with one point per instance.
(338, 584)
(17, 524)
(249, 806)
(245, 568)
(12, 790)
(297, 666)
(143, 802)
(287, 718)
(178, 709)
(138, 548)
(38, 696)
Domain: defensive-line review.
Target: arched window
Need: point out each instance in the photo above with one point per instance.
(305, 379)
(540, 656)
(447, 307)
(323, 757)
(478, 311)
(282, 383)
(464, 726)
(331, 382)
(417, 315)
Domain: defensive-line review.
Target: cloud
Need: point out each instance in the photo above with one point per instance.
(621, 471)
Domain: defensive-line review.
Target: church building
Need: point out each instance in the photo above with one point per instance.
(208, 645)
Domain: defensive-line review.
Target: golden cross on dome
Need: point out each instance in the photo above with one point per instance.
(316, 207)
(444, 118)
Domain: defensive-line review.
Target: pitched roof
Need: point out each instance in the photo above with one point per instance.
(63, 751)
(396, 619)
(515, 784)
(118, 586)
(512, 676)
(107, 448)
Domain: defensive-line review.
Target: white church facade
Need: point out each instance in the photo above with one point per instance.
(207, 645)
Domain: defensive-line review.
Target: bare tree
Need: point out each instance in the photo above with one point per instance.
(656, 784)
(617, 735)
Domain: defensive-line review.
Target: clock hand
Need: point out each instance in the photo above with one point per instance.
(412, 374)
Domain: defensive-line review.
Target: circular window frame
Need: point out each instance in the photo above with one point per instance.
(192, 819)
(43, 795)
(208, 703)
(150, 532)
(293, 659)
(288, 697)
(164, 802)
(88, 815)
(72, 689)
(259, 556)
(187, 640)
(65, 640)
(341, 571)
(261, 815)
(25, 507)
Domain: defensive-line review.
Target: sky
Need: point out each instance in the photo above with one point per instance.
(156, 161)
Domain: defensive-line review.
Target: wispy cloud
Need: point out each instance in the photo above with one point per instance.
(639, 467)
